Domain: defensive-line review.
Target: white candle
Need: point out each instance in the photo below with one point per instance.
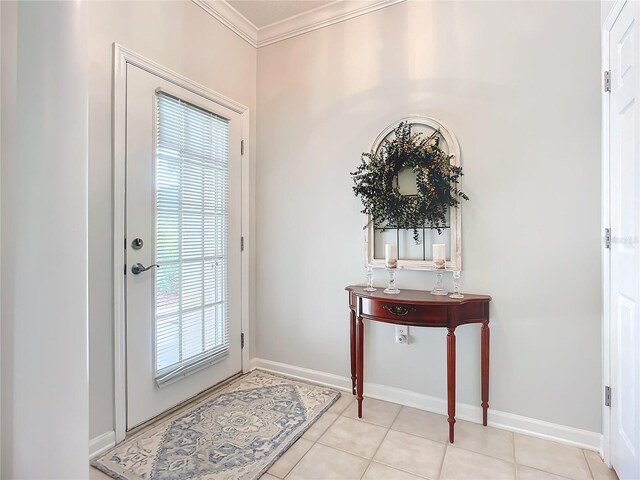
(390, 255)
(439, 255)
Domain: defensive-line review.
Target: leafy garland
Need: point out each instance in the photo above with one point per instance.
(375, 182)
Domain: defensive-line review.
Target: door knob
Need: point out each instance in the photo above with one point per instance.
(138, 268)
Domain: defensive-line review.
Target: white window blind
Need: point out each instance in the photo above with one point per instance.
(191, 238)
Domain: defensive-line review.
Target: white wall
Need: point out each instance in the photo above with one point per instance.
(605, 8)
(44, 241)
(183, 38)
(519, 84)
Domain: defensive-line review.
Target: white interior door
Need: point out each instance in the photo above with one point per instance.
(624, 190)
(183, 204)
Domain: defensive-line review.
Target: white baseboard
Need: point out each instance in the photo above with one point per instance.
(101, 443)
(506, 421)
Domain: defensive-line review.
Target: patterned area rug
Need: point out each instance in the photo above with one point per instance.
(236, 433)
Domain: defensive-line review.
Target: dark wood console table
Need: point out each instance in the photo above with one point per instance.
(418, 308)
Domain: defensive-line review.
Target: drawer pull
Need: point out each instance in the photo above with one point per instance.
(399, 309)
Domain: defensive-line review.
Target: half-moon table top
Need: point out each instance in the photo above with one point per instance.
(416, 296)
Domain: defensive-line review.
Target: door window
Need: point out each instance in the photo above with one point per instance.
(191, 173)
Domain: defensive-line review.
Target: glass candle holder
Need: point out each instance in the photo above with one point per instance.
(369, 287)
(456, 285)
(438, 288)
(391, 288)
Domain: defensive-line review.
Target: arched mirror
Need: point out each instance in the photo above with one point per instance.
(412, 254)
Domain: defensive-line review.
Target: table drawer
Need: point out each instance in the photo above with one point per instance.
(388, 310)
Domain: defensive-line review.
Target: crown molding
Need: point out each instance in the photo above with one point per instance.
(305, 22)
(231, 18)
(317, 18)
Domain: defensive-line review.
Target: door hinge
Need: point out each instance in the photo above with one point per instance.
(242, 340)
(607, 396)
(242, 244)
(607, 238)
(241, 147)
(607, 81)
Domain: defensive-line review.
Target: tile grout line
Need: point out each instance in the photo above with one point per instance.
(444, 455)
(588, 464)
(516, 463)
(383, 439)
(313, 442)
(296, 463)
(374, 453)
(385, 436)
(539, 469)
(371, 423)
(343, 450)
(429, 440)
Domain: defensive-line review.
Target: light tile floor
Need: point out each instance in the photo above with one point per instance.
(392, 442)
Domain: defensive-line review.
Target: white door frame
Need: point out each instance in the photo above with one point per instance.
(606, 223)
(122, 57)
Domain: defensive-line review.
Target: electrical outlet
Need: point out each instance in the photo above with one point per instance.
(402, 334)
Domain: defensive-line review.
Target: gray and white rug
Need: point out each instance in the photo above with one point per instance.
(236, 433)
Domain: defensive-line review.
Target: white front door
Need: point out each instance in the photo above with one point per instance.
(183, 205)
(624, 154)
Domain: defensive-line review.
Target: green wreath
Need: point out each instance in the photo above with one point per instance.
(375, 182)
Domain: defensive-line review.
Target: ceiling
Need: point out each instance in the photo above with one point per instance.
(266, 12)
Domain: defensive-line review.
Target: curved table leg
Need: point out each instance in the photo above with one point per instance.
(451, 380)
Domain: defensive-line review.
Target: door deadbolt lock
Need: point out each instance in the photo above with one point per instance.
(138, 268)
(137, 243)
